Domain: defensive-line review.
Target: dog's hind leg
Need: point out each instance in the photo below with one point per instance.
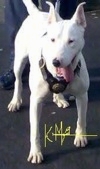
(60, 100)
(19, 64)
(80, 138)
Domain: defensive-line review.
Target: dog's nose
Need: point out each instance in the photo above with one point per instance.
(56, 62)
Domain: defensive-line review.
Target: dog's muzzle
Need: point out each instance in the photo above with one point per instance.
(55, 85)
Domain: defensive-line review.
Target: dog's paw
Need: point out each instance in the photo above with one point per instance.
(35, 157)
(60, 101)
(14, 105)
(80, 141)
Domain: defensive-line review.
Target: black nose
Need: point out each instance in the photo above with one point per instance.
(56, 62)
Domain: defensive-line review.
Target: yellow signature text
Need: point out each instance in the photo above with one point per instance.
(52, 133)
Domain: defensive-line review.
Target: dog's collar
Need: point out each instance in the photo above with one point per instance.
(55, 85)
(77, 69)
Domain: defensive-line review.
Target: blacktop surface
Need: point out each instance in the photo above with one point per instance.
(14, 127)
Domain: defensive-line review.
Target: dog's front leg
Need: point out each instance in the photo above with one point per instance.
(35, 155)
(80, 138)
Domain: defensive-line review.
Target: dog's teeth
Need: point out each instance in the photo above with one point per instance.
(58, 75)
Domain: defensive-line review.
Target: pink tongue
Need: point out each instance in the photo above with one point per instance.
(67, 73)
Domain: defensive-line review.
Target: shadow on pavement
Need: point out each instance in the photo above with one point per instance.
(94, 90)
(50, 157)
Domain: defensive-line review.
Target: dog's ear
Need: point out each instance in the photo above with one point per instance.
(79, 16)
(52, 13)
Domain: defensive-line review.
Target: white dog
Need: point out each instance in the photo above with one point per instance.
(56, 45)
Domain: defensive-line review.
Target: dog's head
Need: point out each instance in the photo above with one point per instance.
(63, 41)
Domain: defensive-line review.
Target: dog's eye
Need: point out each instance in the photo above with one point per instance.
(52, 40)
(70, 41)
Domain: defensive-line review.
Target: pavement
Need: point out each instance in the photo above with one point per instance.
(14, 127)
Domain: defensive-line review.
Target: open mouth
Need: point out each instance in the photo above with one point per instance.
(65, 73)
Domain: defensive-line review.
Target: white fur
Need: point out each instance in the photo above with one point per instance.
(30, 42)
